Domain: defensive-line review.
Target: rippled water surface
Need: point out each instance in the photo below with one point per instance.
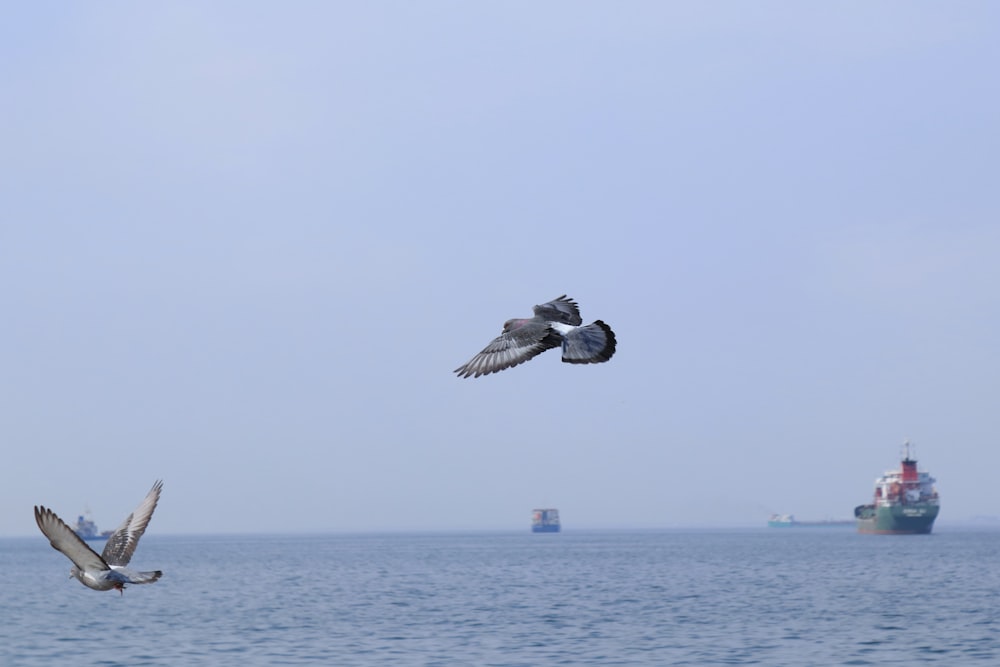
(799, 596)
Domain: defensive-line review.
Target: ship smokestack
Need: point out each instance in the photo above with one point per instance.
(909, 466)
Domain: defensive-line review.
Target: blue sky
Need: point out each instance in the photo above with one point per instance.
(244, 245)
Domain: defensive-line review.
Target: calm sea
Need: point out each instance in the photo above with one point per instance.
(798, 596)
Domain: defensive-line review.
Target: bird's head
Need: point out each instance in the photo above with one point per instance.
(510, 325)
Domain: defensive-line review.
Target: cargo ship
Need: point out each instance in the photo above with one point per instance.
(545, 521)
(87, 529)
(905, 502)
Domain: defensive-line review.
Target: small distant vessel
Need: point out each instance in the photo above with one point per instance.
(545, 521)
(789, 521)
(905, 503)
(87, 529)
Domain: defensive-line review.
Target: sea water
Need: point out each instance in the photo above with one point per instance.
(796, 596)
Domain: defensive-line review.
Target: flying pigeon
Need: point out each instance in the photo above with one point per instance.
(107, 571)
(556, 323)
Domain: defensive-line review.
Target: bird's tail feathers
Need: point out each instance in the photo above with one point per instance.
(146, 577)
(590, 344)
(127, 576)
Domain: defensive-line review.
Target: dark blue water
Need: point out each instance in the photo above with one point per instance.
(801, 596)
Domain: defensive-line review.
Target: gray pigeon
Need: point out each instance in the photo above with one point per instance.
(556, 323)
(107, 571)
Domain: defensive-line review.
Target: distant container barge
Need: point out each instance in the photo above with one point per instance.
(789, 521)
(545, 521)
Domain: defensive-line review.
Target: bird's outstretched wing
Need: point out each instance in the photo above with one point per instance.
(561, 309)
(510, 349)
(64, 540)
(121, 545)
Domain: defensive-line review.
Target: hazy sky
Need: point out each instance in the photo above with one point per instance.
(243, 245)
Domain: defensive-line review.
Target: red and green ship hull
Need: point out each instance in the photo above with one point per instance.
(915, 519)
